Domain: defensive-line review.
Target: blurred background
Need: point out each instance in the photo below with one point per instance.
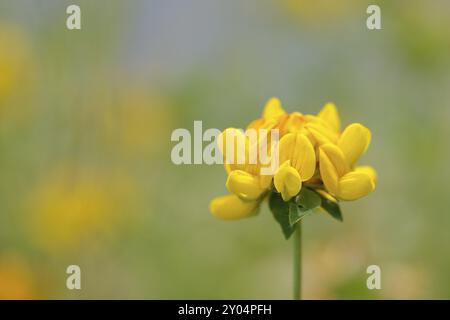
(85, 124)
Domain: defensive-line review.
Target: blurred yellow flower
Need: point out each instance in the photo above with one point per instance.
(69, 209)
(16, 280)
(14, 60)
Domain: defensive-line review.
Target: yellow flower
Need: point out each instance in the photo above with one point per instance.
(231, 207)
(311, 149)
(298, 164)
(337, 161)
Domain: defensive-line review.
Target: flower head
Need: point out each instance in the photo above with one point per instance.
(313, 154)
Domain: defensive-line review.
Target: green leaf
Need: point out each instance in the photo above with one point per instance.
(280, 211)
(332, 208)
(308, 199)
(296, 213)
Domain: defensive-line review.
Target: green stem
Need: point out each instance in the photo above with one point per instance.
(297, 272)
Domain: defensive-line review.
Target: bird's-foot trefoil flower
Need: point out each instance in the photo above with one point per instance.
(313, 153)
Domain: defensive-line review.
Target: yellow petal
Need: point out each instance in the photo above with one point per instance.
(286, 146)
(230, 207)
(332, 167)
(287, 181)
(354, 141)
(318, 136)
(328, 173)
(355, 185)
(273, 109)
(321, 133)
(233, 145)
(295, 122)
(336, 156)
(245, 185)
(330, 115)
(261, 136)
(297, 148)
(368, 170)
(303, 157)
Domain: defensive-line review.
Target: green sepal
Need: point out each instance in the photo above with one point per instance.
(280, 211)
(308, 199)
(332, 208)
(296, 213)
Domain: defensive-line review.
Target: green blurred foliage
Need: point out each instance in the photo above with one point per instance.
(94, 110)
